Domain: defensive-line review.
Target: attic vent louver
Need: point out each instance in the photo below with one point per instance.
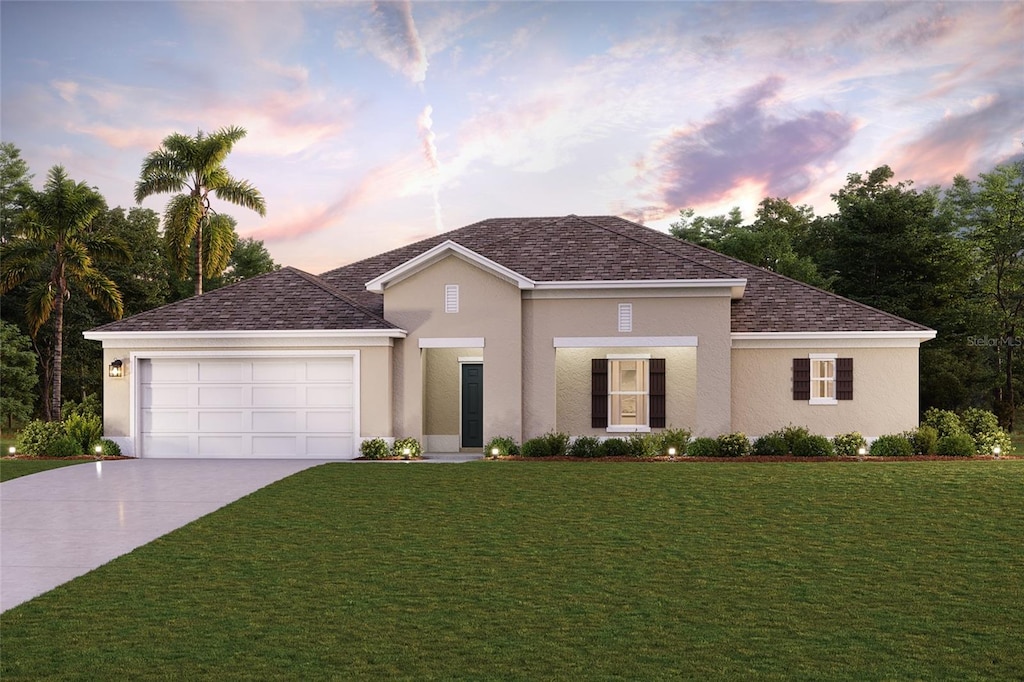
(451, 298)
(625, 317)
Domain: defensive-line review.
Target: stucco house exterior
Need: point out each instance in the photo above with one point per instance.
(507, 327)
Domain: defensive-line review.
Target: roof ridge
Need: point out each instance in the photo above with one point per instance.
(654, 246)
(805, 285)
(336, 292)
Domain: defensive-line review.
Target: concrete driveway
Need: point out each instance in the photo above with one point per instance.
(59, 524)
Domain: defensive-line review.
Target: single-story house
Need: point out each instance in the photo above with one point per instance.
(507, 327)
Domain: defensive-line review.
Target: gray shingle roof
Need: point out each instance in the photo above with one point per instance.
(567, 248)
(286, 299)
(574, 248)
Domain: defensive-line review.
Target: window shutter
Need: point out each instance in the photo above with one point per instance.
(625, 317)
(599, 393)
(801, 378)
(657, 393)
(844, 378)
(451, 298)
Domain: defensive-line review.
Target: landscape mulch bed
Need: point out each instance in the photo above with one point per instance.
(83, 458)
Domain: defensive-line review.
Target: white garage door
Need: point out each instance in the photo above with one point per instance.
(247, 407)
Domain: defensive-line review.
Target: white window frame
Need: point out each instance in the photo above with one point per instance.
(451, 298)
(828, 381)
(626, 317)
(644, 427)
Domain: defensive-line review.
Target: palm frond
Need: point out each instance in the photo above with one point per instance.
(219, 239)
(241, 193)
(102, 289)
(181, 223)
(39, 305)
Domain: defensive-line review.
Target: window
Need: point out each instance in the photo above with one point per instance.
(627, 393)
(625, 317)
(822, 379)
(451, 298)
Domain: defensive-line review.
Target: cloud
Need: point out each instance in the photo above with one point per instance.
(966, 143)
(747, 144)
(425, 125)
(392, 37)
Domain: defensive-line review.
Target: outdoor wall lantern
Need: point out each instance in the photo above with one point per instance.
(116, 369)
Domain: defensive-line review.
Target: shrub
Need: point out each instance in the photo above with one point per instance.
(87, 430)
(38, 437)
(923, 440)
(536, 447)
(89, 407)
(793, 435)
(399, 447)
(848, 444)
(675, 438)
(814, 446)
(644, 445)
(506, 445)
(956, 445)
(585, 446)
(983, 427)
(892, 445)
(375, 448)
(733, 445)
(614, 447)
(944, 421)
(66, 446)
(703, 447)
(558, 443)
(110, 448)
(770, 445)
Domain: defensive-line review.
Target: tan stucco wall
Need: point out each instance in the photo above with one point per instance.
(572, 368)
(442, 387)
(885, 392)
(489, 308)
(375, 379)
(706, 318)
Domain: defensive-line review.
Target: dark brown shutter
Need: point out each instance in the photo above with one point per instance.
(844, 378)
(599, 393)
(801, 378)
(657, 393)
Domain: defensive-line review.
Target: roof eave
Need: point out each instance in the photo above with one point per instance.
(436, 253)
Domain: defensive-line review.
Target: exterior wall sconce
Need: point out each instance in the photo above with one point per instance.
(116, 369)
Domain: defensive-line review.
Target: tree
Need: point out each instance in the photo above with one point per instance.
(194, 167)
(248, 259)
(54, 250)
(14, 185)
(990, 214)
(17, 375)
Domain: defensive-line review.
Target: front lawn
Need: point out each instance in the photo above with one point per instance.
(13, 468)
(562, 570)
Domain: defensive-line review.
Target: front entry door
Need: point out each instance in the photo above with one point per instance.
(472, 405)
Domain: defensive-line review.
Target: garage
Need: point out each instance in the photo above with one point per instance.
(235, 406)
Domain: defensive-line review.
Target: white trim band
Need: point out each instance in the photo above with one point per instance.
(455, 342)
(625, 342)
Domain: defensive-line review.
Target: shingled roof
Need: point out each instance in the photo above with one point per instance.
(594, 248)
(286, 299)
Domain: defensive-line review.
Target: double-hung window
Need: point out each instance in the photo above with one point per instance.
(628, 389)
(823, 379)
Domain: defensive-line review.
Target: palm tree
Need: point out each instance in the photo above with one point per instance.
(194, 167)
(55, 247)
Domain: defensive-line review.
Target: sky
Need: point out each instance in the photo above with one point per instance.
(372, 125)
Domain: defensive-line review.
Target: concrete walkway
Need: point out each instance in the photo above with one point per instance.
(59, 524)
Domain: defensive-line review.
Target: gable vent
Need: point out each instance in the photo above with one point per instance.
(625, 317)
(451, 298)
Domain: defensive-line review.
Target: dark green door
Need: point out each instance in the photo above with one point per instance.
(472, 405)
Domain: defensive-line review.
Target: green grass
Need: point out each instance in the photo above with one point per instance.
(1018, 443)
(13, 468)
(562, 571)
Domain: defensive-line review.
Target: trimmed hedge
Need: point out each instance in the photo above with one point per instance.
(849, 444)
(614, 447)
(814, 446)
(770, 445)
(506, 445)
(375, 448)
(733, 445)
(891, 446)
(703, 447)
(585, 447)
(956, 445)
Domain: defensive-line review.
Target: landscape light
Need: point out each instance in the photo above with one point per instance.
(12, 450)
(861, 451)
(406, 452)
(997, 451)
(495, 452)
(671, 452)
(98, 449)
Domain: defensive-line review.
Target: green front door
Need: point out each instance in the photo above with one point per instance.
(472, 405)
